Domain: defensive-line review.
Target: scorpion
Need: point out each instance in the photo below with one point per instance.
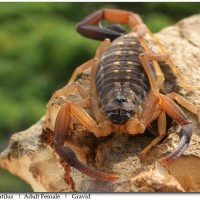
(125, 85)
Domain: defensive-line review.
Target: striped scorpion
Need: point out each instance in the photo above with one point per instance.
(125, 84)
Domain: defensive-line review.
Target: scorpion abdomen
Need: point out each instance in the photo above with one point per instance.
(120, 73)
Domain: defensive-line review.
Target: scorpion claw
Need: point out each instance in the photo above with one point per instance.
(185, 135)
(95, 174)
(70, 157)
(174, 155)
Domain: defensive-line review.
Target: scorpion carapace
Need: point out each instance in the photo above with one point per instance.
(124, 91)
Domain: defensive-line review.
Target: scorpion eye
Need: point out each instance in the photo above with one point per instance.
(120, 98)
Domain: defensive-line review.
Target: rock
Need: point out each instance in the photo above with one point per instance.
(30, 154)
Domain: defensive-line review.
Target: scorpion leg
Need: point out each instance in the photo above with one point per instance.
(170, 63)
(81, 69)
(168, 106)
(95, 109)
(93, 89)
(104, 45)
(93, 64)
(61, 129)
(49, 119)
(161, 130)
(145, 58)
(185, 103)
(89, 26)
(68, 90)
(159, 75)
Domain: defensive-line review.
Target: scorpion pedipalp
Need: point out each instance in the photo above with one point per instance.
(70, 157)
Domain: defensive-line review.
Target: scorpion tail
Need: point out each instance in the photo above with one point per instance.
(185, 137)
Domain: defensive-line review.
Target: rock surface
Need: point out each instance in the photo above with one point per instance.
(30, 155)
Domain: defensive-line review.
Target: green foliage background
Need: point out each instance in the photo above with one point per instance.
(39, 49)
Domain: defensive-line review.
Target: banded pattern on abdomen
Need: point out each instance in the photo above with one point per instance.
(120, 65)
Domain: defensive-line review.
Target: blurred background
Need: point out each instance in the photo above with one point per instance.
(39, 49)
